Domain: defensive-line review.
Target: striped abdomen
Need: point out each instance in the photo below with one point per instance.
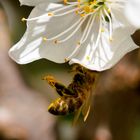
(65, 105)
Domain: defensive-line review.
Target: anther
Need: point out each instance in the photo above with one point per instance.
(23, 19)
(76, 12)
(110, 39)
(102, 29)
(88, 58)
(79, 43)
(82, 15)
(78, 5)
(56, 41)
(108, 10)
(87, 9)
(50, 14)
(79, 1)
(65, 1)
(44, 39)
(66, 60)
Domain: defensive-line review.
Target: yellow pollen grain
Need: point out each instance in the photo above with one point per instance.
(87, 9)
(92, 10)
(79, 1)
(76, 11)
(79, 43)
(86, 3)
(78, 5)
(108, 10)
(66, 60)
(88, 58)
(110, 39)
(50, 14)
(44, 39)
(23, 19)
(82, 15)
(65, 1)
(102, 30)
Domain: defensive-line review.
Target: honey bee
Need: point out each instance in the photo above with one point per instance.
(76, 97)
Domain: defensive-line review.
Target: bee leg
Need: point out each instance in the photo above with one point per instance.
(63, 90)
(60, 88)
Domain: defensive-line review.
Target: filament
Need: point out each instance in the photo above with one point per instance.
(67, 30)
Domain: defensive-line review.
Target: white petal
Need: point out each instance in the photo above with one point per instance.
(36, 2)
(32, 47)
(107, 54)
(120, 20)
(132, 11)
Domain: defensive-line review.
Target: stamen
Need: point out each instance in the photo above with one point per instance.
(99, 34)
(60, 41)
(88, 57)
(81, 42)
(64, 8)
(35, 18)
(103, 18)
(23, 19)
(67, 30)
(56, 41)
(82, 15)
(52, 13)
(44, 39)
(68, 12)
(70, 3)
(66, 60)
(65, 1)
(88, 29)
(110, 25)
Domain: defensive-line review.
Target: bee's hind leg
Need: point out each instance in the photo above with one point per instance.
(60, 88)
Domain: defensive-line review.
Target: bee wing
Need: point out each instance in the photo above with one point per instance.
(77, 115)
(86, 106)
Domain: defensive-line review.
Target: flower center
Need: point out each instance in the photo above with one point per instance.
(88, 11)
(85, 7)
(91, 6)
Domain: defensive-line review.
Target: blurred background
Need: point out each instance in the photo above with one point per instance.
(24, 96)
